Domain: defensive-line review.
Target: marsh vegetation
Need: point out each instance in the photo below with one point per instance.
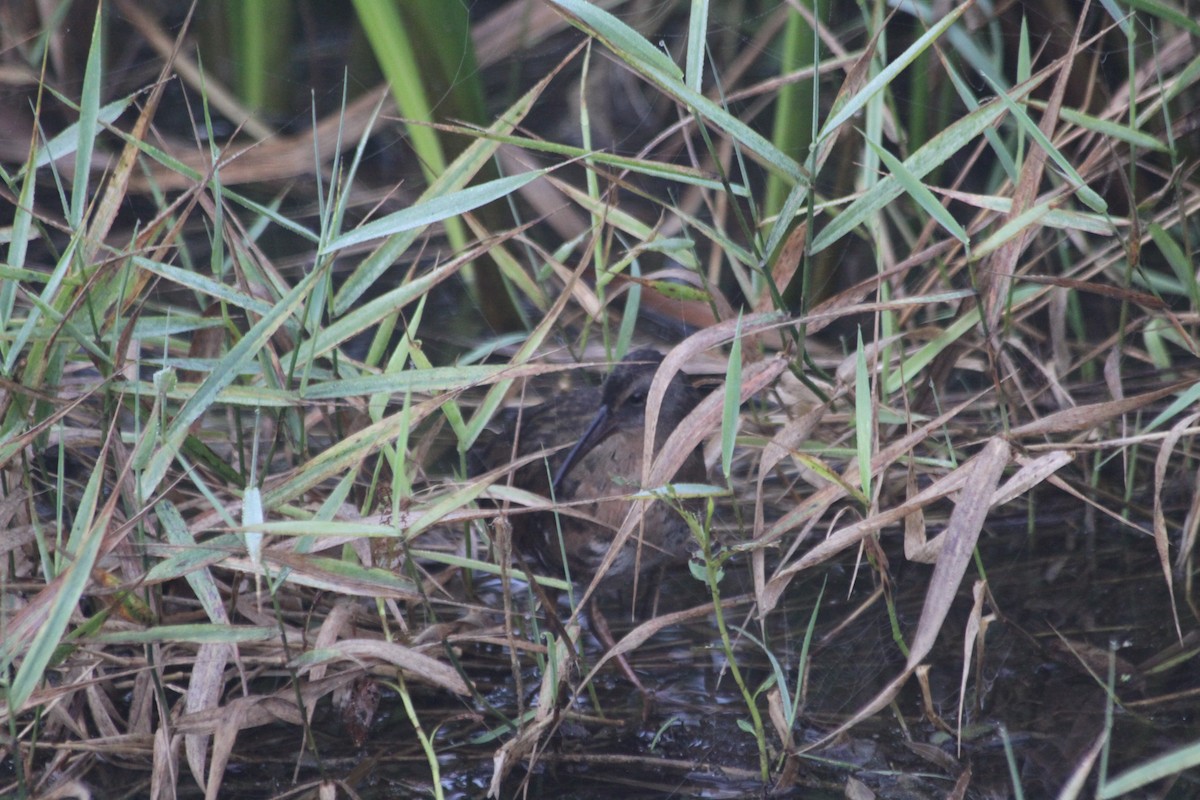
(270, 275)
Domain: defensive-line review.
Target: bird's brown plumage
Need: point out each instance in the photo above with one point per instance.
(597, 439)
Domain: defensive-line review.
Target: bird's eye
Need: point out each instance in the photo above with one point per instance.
(637, 398)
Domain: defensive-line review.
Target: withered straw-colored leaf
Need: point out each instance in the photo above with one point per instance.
(971, 638)
(1162, 539)
(1087, 417)
(966, 521)
(366, 650)
(205, 686)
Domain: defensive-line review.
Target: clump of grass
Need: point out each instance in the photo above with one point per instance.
(225, 509)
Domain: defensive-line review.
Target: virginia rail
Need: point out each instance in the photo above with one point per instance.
(594, 443)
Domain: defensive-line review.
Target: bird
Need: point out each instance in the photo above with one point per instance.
(593, 442)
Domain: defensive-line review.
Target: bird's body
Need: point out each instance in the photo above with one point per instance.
(594, 442)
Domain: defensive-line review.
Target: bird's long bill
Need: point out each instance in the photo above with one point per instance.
(597, 430)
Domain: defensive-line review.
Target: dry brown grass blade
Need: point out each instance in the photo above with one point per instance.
(164, 771)
(1089, 417)
(276, 158)
(417, 664)
(1162, 541)
(972, 636)
(1030, 474)
(966, 521)
(224, 739)
(1123, 293)
(264, 709)
(1191, 523)
(336, 622)
(997, 274)
(118, 184)
(917, 546)
(205, 686)
(515, 750)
